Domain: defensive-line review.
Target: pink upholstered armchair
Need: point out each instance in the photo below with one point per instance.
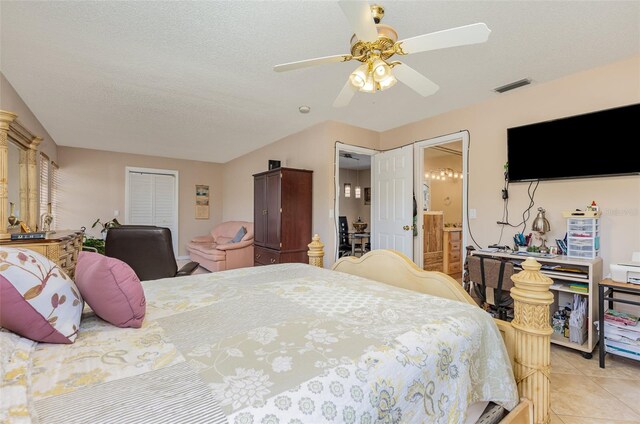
(218, 251)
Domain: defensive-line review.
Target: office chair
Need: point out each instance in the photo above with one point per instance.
(466, 279)
(493, 274)
(147, 249)
(344, 244)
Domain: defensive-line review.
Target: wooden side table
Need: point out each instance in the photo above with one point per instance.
(62, 247)
(606, 290)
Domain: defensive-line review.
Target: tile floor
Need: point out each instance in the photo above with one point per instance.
(584, 393)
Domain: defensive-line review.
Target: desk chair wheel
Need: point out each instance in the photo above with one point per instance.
(587, 355)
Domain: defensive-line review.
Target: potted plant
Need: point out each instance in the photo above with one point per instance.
(97, 244)
(106, 225)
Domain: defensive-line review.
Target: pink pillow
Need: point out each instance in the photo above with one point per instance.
(37, 299)
(111, 288)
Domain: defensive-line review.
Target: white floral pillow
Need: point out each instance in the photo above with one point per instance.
(37, 299)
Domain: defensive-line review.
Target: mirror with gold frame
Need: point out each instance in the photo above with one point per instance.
(18, 176)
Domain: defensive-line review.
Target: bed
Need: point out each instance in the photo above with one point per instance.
(291, 343)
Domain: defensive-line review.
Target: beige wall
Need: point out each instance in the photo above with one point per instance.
(93, 186)
(609, 86)
(314, 149)
(351, 207)
(11, 101)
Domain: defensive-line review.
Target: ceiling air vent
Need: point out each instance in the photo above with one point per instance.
(513, 85)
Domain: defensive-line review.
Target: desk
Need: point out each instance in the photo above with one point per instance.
(606, 290)
(564, 272)
(362, 237)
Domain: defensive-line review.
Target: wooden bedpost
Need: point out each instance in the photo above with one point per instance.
(316, 252)
(533, 330)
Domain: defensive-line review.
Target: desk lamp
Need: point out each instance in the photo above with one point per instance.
(541, 226)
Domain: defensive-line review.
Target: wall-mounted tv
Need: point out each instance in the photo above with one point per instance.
(594, 144)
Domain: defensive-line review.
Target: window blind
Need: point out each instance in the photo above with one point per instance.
(54, 194)
(44, 184)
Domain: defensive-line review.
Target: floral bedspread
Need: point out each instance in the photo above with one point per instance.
(286, 343)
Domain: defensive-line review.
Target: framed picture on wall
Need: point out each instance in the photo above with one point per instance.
(367, 195)
(202, 201)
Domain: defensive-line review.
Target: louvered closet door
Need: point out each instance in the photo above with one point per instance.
(152, 201)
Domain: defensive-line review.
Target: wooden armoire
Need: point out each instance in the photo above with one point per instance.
(282, 215)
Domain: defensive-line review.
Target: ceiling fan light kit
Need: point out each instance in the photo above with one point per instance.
(374, 44)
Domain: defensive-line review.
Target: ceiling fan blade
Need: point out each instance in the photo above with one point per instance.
(345, 96)
(415, 80)
(460, 36)
(358, 14)
(312, 62)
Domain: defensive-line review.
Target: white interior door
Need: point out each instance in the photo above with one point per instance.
(151, 199)
(451, 141)
(392, 200)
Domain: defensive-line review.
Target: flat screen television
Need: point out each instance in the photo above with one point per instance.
(594, 144)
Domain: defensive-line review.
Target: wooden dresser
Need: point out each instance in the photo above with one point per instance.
(452, 262)
(62, 247)
(433, 243)
(282, 215)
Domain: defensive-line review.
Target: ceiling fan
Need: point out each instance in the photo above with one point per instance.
(348, 156)
(374, 44)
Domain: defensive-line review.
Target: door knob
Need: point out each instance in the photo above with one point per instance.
(406, 228)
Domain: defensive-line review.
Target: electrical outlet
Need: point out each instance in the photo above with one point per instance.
(330, 213)
(472, 214)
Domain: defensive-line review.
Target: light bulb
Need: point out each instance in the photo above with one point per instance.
(369, 83)
(380, 70)
(387, 82)
(455, 175)
(442, 173)
(358, 77)
(450, 174)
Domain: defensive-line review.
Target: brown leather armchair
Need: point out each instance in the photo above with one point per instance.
(147, 249)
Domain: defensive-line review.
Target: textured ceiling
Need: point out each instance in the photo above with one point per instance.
(194, 80)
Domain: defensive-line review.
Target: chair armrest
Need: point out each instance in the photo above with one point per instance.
(188, 269)
(203, 239)
(234, 246)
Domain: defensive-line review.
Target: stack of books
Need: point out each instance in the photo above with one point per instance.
(622, 334)
(579, 287)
